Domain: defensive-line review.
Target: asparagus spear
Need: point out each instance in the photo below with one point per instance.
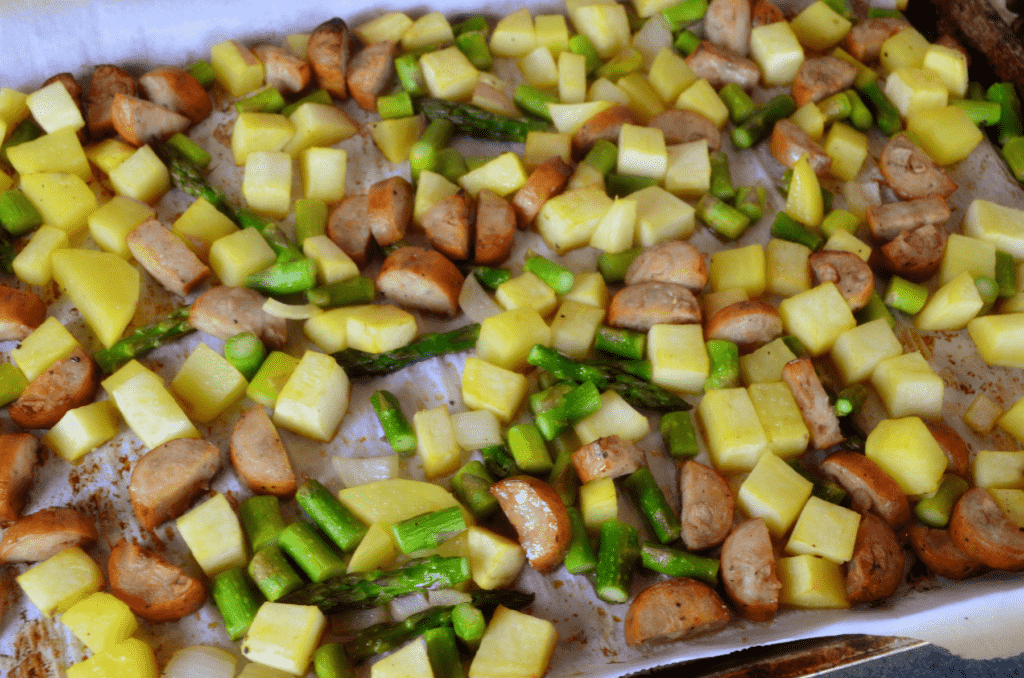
(360, 364)
(368, 589)
(144, 339)
(479, 123)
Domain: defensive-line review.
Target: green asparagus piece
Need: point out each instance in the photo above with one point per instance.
(450, 164)
(750, 202)
(396, 105)
(760, 124)
(26, 130)
(310, 219)
(577, 404)
(1010, 123)
(477, 22)
(369, 589)
(685, 13)
(273, 574)
(860, 116)
(469, 624)
(850, 400)
(284, 249)
(620, 185)
(725, 364)
(563, 476)
(535, 102)
(474, 45)
(794, 345)
(238, 603)
(1013, 153)
(479, 123)
(883, 13)
(678, 563)
(527, 446)
(678, 434)
(738, 102)
(319, 96)
(722, 217)
(836, 107)
(975, 91)
(17, 213)
(285, 278)
(265, 101)
(311, 552)
(608, 375)
(786, 227)
(988, 290)
(330, 515)
(423, 154)
(981, 113)
(625, 62)
(887, 116)
(356, 290)
(195, 153)
(499, 461)
(261, 520)
(246, 353)
(410, 75)
(875, 309)
(492, 277)
(580, 558)
(7, 255)
(905, 296)
(397, 429)
(550, 398)
(203, 72)
(821, 488)
(330, 661)
(687, 42)
(471, 484)
(603, 156)
(1006, 274)
(556, 276)
(429, 530)
(581, 44)
(617, 557)
(613, 265)
(934, 510)
(361, 364)
(651, 501)
(12, 383)
(443, 653)
(621, 342)
(144, 339)
(721, 179)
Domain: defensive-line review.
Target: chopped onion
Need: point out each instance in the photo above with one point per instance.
(652, 38)
(355, 472)
(475, 302)
(201, 661)
(291, 311)
(405, 606)
(859, 196)
(448, 597)
(476, 429)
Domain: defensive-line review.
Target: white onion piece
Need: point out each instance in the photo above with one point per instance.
(860, 195)
(448, 597)
(475, 302)
(350, 621)
(652, 38)
(403, 607)
(291, 311)
(476, 429)
(354, 472)
(201, 661)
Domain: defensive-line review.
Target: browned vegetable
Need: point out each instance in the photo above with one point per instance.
(721, 66)
(224, 311)
(672, 261)
(68, 383)
(449, 225)
(707, 505)
(864, 41)
(545, 182)
(283, 70)
(748, 324)
(812, 399)
(166, 257)
(674, 609)
(177, 90)
(851, 275)
(910, 172)
(765, 12)
(979, 528)
(638, 307)
(349, 227)
(154, 589)
(748, 571)
(18, 457)
(605, 125)
(20, 313)
(683, 126)
(46, 533)
(258, 455)
(788, 143)
(916, 254)
(727, 23)
(167, 478)
(389, 209)
(936, 550)
(821, 77)
(870, 488)
(495, 228)
(422, 279)
(608, 457)
(876, 568)
(370, 72)
(537, 513)
(889, 220)
(142, 122)
(953, 446)
(328, 52)
(106, 81)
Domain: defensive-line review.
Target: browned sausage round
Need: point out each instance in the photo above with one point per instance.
(748, 571)
(258, 455)
(45, 533)
(224, 311)
(20, 313)
(820, 77)
(910, 172)
(348, 226)
(638, 307)
(539, 517)
(495, 228)
(674, 609)
(980, 529)
(328, 53)
(936, 550)
(954, 448)
(707, 506)
(449, 225)
(876, 568)
(369, 73)
(18, 457)
(176, 89)
(544, 183)
(748, 324)
(422, 279)
(673, 261)
(851, 275)
(167, 478)
(683, 126)
(914, 255)
(69, 383)
(608, 457)
(153, 588)
(870, 488)
(788, 143)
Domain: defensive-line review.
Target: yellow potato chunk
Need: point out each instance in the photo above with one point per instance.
(61, 580)
(492, 388)
(907, 451)
(314, 399)
(824, 529)
(774, 491)
(811, 582)
(732, 430)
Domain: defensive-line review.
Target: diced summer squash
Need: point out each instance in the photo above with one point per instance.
(53, 108)
(780, 418)
(615, 231)
(946, 134)
(606, 25)
(604, 89)
(765, 364)
(377, 549)
(817, 317)
(824, 529)
(733, 433)
(83, 429)
(329, 330)
(787, 269)
(431, 189)
(61, 580)
(492, 388)
(644, 100)
(63, 200)
(320, 125)
(314, 399)
(615, 416)
(661, 216)
(688, 169)
(858, 351)
(774, 491)
(572, 78)
(267, 181)
(906, 49)
(998, 469)
(844, 241)
(819, 27)
(1000, 225)
(514, 35)
(811, 582)
(589, 288)
(599, 503)
(573, 327)
(142, 176)
(147, 407)
(398, 499)
(1013, 420)
(678, 359)
(390, 26)
(395, 136)
(526, 290)
(502, 652)
(270, 379)
(332, 264)
(642, 152)
(495, 561)
(450, 75)
(913, 90)
(742, 267)
(201, 225)
(237, 255)
(776, 49)
(374, 328)
(46, 345)
(111, 223)
(701, 97)
(506, 339)
(208, 384)
(32, 264)
(810, 119)
(567, 221)
(503, 175)
(100, 621)
(257, 131)
(284, 636)
(430, 30)
(803, 201)
(543, 145)
(237, 68)
(85, 277)
(964, 253)
(214, 536)
(848, 149)
(670, 75)
(908, 386)
(907, 451)
(476, 429)
(13, 106)
(409, 660)
(60, 151)
(132, 657)
(435, 442)
(951, 306)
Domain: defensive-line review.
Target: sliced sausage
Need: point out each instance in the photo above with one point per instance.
(812, 399)
(748, 571)
(980, 528)
(748, 324)
(142, 122)
(851, 275)
(608, 457)
(889, 220)
(70, 84)
(765, 12)
(389, 209)
(864, 41)
(539, 517)
(106, 81)
(605, 125)
(727, 23)
(166, 257)
(544, 183)
(224, 311)
(18, 457)
(349, 227)
(915, 255)
(422, 279)
(953, 446)
(721, 66)
(870, 488)
(20, 313)
(821, 77)
(65, 385)
(177, 90)
(259, 457)
(369, 73)
(674, 609)
(788, 143)
(936, 550)
(328, 51)
(449, 225)
(46, 533)
(638, 307)
(683, 126)
(153, 588)
(876, 567)
(707, 506)
(283, 70)
(167, 478)
(910, 172)
(672, 261)
(495, 229)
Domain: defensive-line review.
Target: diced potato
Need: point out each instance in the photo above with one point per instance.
(100, 621)
(573, 327)
(82, 430)
(450, 75)
(109, 153)
(271, 377)
(53, 108)
(606, 25)
(742, 267)
(332, 264)
(817, 317)
(950, 65)
(61, 580)
(142, 176)
(13, 106)
(235, 256)
(688, 169)
(906, 49)
(780, 418)
(567, 221)
(913, 90)
(526, 290)
(503, 175)
(514, 35)
(701, 97)
(329, 330)
(644, 100)
(409, 660)
(1012, 503)
(858, 351)
(539, 68)
(477, 429)
(377, 549)
(844, 241)
(430, 30)
(811, 582)
(320, 125)
(732, 430)
(964, 253)
(590, 288)
(907, 451)
(390, 26)
(111, 223)
(431, 189)
(599, 503)
(494, 560)
(85, 277)
(615, 416)
(208, 384)
(502, 652)
(63, 200)
(810, 119)
(604, 89)
(982, 414)
(951, 306)
(998, 469)
(945, 134)
(777, 52)
(395, 500)
(267, 182)
(435, 442)
(284, 636)
(257, 131)
(572, 77)
(670, 75)
(787, 269)
(848, 149)
(824, 529)
(553, 32)
(200, 225)
(615, 231)
(803, 201)
(147, 407)
(132, 657)
(679, 361)
(506, 339)
(314, 399)
(60, 151)
(32, 263)
(214, 536)
(642, 152)
(1013, 420)
(237, 68)
(395, 136)
(543, 145)
(908, 386)
(1000, 225)
(374, 328)
(774, 491)
(765, 364)
(819, 27)
(46, 345)
(713, 302)
(661, 216)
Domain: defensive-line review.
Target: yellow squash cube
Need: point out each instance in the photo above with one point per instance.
(539, 68)
(844, 241)
(237, 68)
(142, 176)
(379, 328)
(284, 636)
(435, 442)
(589, 288)
(267, 184)
(599, 503)
(819, 27)
(777, 52)
(913, 90)
(615, 416)
(395, 136)
(111, 223)
(319, 125)
(908, 386)
(61, 580)
(506, 339)
(605, 24)
(679, 361)
(85, 276)
(132, 657)
(573, 327)
(239, 254)
(492, 388)
(46, 345)
(951, 306)
(1000, 225)
(314, 399)
(553, 32)
(998, 469)
(572, 77)
(526, 290)
(568, 221)
(430, 30)
(543, 145)
(661, 216)
(848, 149)
(449, 75)
(100, 621)
(146, 406)
(907, 451)
(328, 330)
(733, 433)
(53, 108)
(395, 500)
(642, 152)
(824, 529)
(742, 267)
(200, 225)
(82, 430)
(964, 253)
(257, 131)
(945, 134)
(701, 97)
(495, 561)
(670, 75)
(644, 100)
(63, 200)
(514, 35)
(503, 175)
(950, 65)
(377, 549)
(214, 536)
(322, 171)
(765, 364)
(787, 269)
(857, 351)
(332, 264)
(810, 119)
(208, 384)
(774, 491)
(780, 418)
(906, 49)
(817, 317)
(502, 652)
(476, 429)
(811, 582)
(109, 153)
(615, 231)
(60, 151)
(32, 264)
